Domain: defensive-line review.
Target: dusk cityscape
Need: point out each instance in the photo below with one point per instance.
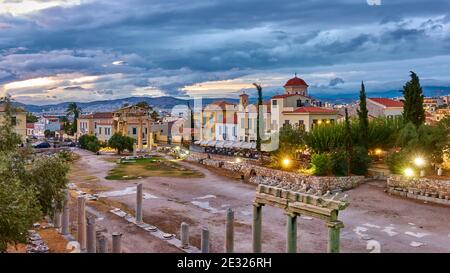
(239, 128)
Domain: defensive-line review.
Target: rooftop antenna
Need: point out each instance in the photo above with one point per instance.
(295, 74)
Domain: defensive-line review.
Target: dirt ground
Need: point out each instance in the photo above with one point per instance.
(374, 221)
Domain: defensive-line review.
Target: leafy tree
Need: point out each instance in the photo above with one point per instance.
(31, 118)
(18, 210)
(154, 115)
(121, 143)
(144, 105)
(47, 176)
(9, 140)
(363, 117)
(48, 133)
(258, 119)
(290, 140)
(18, 205)
(75, 111)
(89, 142)
(413, 107)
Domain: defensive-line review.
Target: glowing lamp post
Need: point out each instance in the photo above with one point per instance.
(286, 162)
(420, 162)
(409, 172)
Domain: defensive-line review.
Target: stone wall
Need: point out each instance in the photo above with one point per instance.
(426, 189)
(256, 174)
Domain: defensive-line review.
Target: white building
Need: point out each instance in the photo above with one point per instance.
(296, 108)
(44, 123)
(382, 107)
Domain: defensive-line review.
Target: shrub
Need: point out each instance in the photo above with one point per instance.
(320, 164)
(360, 161)
(397, 162)
(339, 163)
(89, 142)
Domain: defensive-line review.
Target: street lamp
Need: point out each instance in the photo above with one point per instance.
(409, 172)
(419, 161)
(286, 162)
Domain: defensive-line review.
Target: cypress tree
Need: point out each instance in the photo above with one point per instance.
(363, 117)
(413, 107)
(348, 140)
(258, 119)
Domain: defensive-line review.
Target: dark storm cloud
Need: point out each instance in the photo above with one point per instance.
(214, 40)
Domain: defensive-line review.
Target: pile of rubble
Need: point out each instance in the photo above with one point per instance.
(35, 244)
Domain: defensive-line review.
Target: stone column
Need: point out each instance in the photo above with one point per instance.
(102, 244)
(291, 233)
(117, 242)
(134, 149)
(256, 227)
(81, 205)
(334, 236)
(205, 240)
(229, 233)
(91, 238)
(57, 219)
(139, 204)
(149, 136)
(65, 228)
(184, 235)
(139, 139)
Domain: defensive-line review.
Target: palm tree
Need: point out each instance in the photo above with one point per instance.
(258, 118)
(73, 110)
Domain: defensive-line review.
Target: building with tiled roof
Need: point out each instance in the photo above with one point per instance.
(383, 107)
(295, 107)
(99, 124)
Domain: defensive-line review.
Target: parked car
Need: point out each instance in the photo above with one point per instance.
(41, 145)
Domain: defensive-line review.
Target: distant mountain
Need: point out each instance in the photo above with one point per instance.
(160, 103)
(167, 102)
(345, 97)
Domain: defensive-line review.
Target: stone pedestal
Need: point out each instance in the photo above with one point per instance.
(184, 235)
(117, 242)
(334, 229)
(256, 228)
(91, 238)
(205, 240)
(102, 244)
(291, 229)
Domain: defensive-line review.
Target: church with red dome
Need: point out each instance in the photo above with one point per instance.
(296, 86)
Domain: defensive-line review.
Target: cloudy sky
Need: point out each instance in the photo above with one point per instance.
(82, 50)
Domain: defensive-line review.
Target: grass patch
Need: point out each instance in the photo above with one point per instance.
(151, 167)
